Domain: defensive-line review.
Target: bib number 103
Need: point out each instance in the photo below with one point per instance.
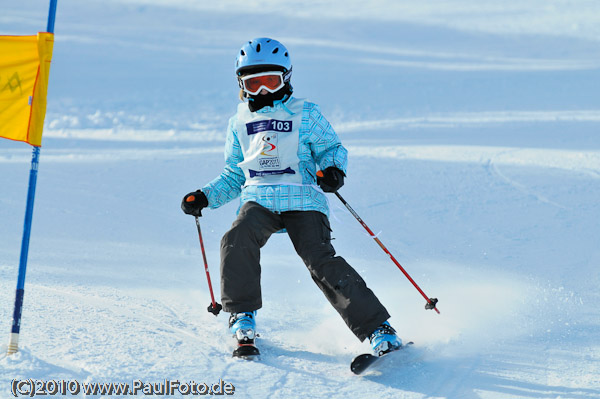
(280, 126)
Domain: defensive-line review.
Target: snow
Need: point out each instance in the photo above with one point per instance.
(473, 133)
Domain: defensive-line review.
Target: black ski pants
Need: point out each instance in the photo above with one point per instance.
(311, 235)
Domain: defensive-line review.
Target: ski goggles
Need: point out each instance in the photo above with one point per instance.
(270, 81)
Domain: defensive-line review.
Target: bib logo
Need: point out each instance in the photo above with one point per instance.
(269, 156)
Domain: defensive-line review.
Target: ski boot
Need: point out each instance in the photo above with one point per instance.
(384, 340)
(243, 328)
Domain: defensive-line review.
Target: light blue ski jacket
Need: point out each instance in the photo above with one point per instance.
(318, 146)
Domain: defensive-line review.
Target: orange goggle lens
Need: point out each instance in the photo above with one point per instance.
(269, 81)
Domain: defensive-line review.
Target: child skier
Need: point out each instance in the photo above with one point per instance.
(275, 143)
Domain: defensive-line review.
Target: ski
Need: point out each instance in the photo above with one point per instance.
(363, 362)
(246, 351)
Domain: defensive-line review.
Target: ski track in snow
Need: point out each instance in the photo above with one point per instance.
(493, 168)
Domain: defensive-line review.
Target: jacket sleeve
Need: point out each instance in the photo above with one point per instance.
(326, 147)
(228, 185)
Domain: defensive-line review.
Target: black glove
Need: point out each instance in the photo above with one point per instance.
(332, 179)
(194, 202)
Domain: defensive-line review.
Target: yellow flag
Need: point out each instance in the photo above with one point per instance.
(24, 71)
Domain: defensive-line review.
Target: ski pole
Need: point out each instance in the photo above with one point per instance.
(431, 302)
(214, 307)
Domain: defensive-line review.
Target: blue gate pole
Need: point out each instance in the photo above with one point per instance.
(13, 344)
(51, 16)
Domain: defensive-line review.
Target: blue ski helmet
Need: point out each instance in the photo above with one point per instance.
(263, 54)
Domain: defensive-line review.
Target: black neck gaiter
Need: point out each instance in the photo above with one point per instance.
(260, 101)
